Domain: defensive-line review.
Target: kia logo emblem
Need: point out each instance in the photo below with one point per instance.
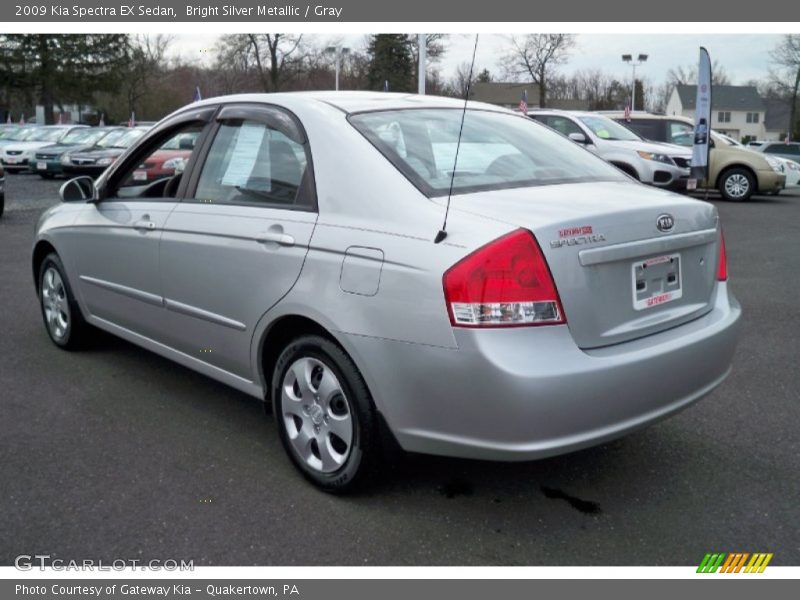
(665, 223)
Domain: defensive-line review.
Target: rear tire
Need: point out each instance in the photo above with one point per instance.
(737, 185)
(326, 419)
(62, 316)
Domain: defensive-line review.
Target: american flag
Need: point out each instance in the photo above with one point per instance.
(197, 97)
(132, 120)
(627, 112)
(523, 104)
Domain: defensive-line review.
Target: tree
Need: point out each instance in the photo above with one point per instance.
(390, 60)
(145, 67)
(274, 58)
(687, 75)
(64, 67)
(536, 56)
(787, 56)
(484, 77)
(434, 49)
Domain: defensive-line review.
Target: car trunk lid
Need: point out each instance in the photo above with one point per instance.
(619, 274)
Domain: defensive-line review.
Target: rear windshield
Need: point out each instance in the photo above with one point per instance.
(497, 151)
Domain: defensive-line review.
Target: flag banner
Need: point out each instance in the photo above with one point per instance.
(702, 118)
(197, 96)
(132, 121)
(523, 104)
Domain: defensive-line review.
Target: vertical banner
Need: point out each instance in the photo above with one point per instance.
(702, 119)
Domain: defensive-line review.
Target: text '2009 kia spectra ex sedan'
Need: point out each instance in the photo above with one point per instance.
(295, 256)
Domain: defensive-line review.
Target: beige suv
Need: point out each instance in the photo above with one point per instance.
(736, 172)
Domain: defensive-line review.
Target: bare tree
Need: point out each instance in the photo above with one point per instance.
(537, 55)
(272, 57)
(147, 62)
(787, 56)
(687, 75)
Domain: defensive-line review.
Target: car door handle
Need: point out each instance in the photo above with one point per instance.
(144, 225)
(267, 237)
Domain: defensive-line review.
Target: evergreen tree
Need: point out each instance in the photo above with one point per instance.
(390, 60)
(58, 69)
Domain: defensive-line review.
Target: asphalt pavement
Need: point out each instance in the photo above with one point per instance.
(116, 453)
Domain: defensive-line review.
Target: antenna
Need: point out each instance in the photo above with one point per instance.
(443, 231)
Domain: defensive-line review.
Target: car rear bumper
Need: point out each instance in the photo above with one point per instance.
(527, 393)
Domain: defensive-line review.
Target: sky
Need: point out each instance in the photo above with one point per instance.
(744, 56)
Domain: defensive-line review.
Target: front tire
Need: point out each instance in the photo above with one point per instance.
(326, 419)
(737, 185)
(62, 317)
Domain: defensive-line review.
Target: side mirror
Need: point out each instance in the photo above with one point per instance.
(79, 189)
(578, 138)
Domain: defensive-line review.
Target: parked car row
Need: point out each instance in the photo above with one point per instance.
(736, 172)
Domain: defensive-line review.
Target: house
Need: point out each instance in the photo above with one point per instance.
(776, 122)
(736, 110)
(509, 94)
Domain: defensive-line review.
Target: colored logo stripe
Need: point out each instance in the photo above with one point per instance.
(734, 562)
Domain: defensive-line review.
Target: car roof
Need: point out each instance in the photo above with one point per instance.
(350, 102)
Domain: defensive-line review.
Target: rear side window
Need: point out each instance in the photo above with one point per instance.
(649, 129)
(560, 124)
(251, 163)
(498, 150)
(783, 149)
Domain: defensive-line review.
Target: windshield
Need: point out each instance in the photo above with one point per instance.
(111, 137)
(82, 136)
(7, 133)
(606, 129)
(24, 134)
(47, 134)
(497, 150)
(127, 138)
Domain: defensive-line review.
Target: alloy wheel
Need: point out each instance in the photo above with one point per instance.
(55, 304)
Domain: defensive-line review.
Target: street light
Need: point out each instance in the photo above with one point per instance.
(338, 51)
(640, 60)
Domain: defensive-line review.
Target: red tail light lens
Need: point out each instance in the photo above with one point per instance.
(503, 284)
(722, 263)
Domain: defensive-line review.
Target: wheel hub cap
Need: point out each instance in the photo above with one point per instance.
(316, 415)
(54, 303)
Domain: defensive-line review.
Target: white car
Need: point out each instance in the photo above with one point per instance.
(17, 156)
(655, 163)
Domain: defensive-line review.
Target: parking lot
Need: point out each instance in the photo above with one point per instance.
(116, 453)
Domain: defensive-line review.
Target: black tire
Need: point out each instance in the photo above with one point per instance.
(77, 330)
(364, 451)
(731, 176)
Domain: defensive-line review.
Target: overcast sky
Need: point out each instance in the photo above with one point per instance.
(744, 57)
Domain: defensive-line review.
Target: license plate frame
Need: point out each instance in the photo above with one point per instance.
(140, 175)
(656, 281)
(41, 166)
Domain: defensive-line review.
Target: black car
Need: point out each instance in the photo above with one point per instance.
(94, 161)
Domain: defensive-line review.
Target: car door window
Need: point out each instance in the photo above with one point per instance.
(252, 163)
(160, 166)
(561, 124)
(649, 129)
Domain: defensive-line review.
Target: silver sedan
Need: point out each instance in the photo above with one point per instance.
(391, 267)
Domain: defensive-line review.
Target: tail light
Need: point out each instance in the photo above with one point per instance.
(722, 263)
(503, 284)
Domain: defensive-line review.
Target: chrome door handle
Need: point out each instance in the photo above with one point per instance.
(284, 239)
(144, 225)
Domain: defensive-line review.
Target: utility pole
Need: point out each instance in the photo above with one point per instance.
(422, 40)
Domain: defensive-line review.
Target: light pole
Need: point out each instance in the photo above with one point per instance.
(422, 41)
(338, 51)
(640, 60)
